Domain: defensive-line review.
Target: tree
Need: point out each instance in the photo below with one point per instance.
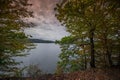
(94, 23)
(13, 40)
(72, 57)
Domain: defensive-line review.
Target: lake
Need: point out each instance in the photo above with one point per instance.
(45, 55)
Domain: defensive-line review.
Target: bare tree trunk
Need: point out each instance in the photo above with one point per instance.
(109, 59)
(107, 52)
(92, 62)
(118, 64)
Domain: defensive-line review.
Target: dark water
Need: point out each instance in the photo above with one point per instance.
(45, 55)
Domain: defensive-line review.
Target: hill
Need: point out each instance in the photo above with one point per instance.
(40, 41)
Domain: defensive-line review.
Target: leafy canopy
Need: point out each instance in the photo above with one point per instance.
(13, 40)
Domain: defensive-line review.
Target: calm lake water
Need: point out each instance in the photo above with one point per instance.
(45, 55)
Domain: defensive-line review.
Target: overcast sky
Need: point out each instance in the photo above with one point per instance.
(47, 26)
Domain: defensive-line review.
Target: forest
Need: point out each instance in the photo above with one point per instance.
(90, 52)
(95, 34)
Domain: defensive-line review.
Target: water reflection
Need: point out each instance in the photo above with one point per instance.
(45, 55)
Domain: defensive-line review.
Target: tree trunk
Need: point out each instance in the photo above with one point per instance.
(108, 54)
(85, 58)
(85, 62)
(118, 64)
(92, 62)
(109, 59)
(92, 25)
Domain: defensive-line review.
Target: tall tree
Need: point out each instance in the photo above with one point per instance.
(79, 17)
(12, 38)
(98, 20)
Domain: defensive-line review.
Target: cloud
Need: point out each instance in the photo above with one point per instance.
(47, 26)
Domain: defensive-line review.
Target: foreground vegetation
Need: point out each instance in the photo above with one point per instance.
(89, 74)
(13, 40)
(94, 41)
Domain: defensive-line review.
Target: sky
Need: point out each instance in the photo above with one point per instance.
(46, 25)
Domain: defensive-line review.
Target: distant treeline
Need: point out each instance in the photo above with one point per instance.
(41, 41)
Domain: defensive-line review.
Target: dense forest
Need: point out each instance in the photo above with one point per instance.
(94, 42)
(91, 50)
(13, 40)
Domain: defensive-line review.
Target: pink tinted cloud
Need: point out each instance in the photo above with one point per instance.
(47, 26)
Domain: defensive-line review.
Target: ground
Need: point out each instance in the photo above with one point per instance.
(89, 74)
